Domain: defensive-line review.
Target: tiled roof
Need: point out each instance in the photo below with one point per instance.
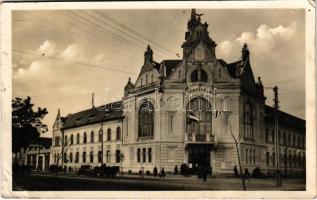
(232, 67)
(170, 65)
(285, 118)
(107, 112)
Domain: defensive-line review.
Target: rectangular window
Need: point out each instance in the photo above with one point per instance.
(84, 157)
(171, 120)
(273, 137)
(118, 156)
(150, 155)
(253, 157)
(139, 155)
(266, 135)
(144, 155)
(250, 160)
(171, 154)
(294, 143)
(246, 156)
(273, 158)
(267, 158)
(77, 157)
(108, 154)
(145, 79)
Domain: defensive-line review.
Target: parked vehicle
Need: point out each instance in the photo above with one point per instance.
(99, 170)
(85, 170)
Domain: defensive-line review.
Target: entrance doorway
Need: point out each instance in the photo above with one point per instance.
(199, 156)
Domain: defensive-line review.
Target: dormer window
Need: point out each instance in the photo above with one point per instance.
(77, 120)
(92, 116)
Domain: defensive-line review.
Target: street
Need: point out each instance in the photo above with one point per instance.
(43, 182)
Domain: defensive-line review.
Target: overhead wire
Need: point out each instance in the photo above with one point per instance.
(134, 32)
(72, 61)
(124, 32)
(91, 40)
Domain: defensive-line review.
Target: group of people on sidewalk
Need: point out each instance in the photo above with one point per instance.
(256, 172)
(202, 171)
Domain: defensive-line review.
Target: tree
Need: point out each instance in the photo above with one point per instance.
(27, 124)
(60, 156)
(236, 141)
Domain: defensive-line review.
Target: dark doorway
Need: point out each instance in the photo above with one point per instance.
(199, 156)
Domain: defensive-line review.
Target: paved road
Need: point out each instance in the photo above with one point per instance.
(42, 182)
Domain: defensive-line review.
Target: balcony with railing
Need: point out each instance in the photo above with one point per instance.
(195, 137)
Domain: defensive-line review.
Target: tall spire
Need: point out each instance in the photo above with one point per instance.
(193, 14)
(245, 52)
(148, 55)
(58, 113)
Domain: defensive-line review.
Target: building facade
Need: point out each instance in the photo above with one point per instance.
(36, 155)
(189, 111)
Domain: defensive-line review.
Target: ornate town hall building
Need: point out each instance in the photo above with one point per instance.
(184, 111)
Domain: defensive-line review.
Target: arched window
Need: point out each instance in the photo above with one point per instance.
(199, 118)
(100, 136)
(85, 138)
(118, 133)
(109, 134)
(71, 139)
(78, 138)
(199, 75)
(99, 156)
(65, 157)
(248, 121)
(92, 137)
(71, 157)
(146, 119)
(77, 157)
(91, 156)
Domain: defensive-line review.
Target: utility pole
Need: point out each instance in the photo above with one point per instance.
(277, 138)
(101, 130)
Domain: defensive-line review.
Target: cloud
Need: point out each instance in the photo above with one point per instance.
(48, 48)
(267, 38)
(99, 59)
(23, 73)
(224, 48)
(76, 52)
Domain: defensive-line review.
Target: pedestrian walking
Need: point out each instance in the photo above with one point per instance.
(175, 170)
(204, 172)
(235, 170)
(155, 171)
(162, 173)
(246, 174)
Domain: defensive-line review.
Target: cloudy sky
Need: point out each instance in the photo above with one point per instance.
(61, 57)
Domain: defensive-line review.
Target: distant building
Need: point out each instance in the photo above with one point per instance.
(36, 155)
(170, 116)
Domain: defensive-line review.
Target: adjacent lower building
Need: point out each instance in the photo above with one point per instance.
(36, 155)
(189, 110)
